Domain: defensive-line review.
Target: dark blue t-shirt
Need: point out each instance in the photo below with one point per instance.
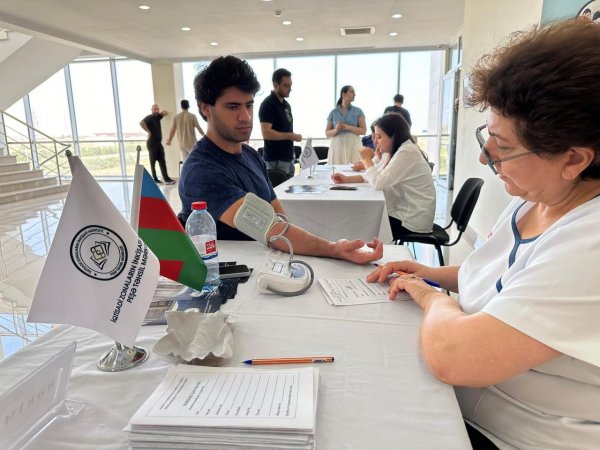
(220, 179)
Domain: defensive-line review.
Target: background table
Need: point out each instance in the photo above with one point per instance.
(378, 394)
(360, 214)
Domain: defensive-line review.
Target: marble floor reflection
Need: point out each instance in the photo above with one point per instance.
(26, 232)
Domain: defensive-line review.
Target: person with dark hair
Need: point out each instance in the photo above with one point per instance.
(345, 124)
(277, 124)
(405, 180)
(151, 124)
(223, 171)
(185, 123)
(521, 342)
(399, 109)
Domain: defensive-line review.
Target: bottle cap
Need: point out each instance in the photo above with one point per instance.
(198, 205)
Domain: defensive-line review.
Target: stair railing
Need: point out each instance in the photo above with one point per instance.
(41, 155)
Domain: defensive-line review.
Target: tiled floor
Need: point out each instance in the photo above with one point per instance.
(26, 232)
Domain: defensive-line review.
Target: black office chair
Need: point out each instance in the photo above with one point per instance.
(321, 151)
(461, 211)
(277, 176)
(260, 151)
(297, 151)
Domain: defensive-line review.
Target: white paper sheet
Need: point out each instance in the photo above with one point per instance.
(348, 292)
(232, 397)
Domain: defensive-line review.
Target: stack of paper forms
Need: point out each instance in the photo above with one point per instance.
(228, 408)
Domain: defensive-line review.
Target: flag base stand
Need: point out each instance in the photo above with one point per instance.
(120, 358)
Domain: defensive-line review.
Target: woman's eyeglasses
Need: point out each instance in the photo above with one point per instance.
(488, 159)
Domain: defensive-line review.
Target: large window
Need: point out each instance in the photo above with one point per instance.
(136, 95)
(374, 77)
(98, 104)
(96, 120)
(415, 73)
(311, 98)
(50, 108)
(93, 98)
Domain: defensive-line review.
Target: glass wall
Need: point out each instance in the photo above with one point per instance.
(98, 104)
(415, 72)
(312, 96)
(134, 83)
(374, 77)
(50, 108)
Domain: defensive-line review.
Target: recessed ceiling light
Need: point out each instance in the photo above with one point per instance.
(299, 39)
(144, 7)
(396, 16)
(266, 0)
(186, 29)
(393, 33)
(214, 44)
(287, 22)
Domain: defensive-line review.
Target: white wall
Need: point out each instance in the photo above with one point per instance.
(27, 62)
(486, 24)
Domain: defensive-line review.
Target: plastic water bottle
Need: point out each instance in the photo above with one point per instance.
(202, 230)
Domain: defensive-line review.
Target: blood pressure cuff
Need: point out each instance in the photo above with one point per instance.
(255, 218)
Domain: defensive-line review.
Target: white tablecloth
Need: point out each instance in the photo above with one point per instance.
(334, 215)
(378, 394)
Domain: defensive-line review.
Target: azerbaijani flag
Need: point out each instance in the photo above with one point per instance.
(162, 232)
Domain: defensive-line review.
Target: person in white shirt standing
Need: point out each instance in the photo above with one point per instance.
(185, 123)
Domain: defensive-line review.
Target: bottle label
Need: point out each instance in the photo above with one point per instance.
(211, 246)
(206, 245)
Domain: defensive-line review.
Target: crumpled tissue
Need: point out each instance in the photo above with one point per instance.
(193, 335)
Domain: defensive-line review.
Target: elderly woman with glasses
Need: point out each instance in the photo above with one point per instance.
(522, 343)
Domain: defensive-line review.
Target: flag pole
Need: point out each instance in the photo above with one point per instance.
(120, 357)
(137, 186)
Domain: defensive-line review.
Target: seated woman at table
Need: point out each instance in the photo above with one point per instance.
(405, 180)
(521, 344)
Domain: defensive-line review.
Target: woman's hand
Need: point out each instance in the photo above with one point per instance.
(366, 154)
(409, 280)
(339, 178)
(358, 166)
(380, 274)
(420, 291)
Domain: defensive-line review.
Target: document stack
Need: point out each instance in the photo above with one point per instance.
(228, 408)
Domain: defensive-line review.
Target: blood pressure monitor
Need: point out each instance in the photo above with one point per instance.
(284, 277)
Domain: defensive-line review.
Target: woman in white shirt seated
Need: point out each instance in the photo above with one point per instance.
(521, 344)
(405, 180)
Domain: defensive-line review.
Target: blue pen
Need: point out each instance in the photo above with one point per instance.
(397, 274)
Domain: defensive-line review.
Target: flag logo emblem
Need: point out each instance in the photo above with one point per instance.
(98, 252)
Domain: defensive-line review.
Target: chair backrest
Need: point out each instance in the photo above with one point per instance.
(260, 151)
(297, 151)
(465, 202)
(277, 176)
(321, 151)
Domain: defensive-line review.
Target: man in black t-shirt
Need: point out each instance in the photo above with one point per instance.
(398, 109)
(277, 124)
(151, 124)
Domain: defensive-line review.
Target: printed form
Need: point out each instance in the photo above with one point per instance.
(345, 292)
(232, 397)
